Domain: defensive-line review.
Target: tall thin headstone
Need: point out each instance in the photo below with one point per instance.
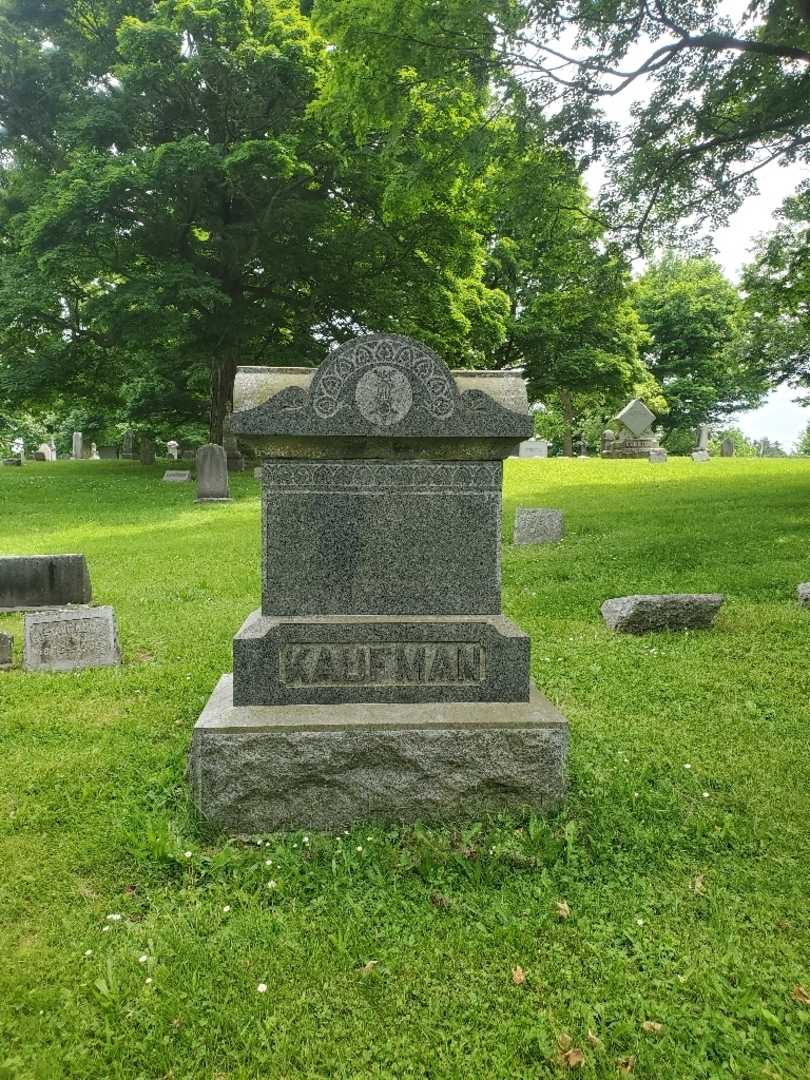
(701, 451)
(727, 448)
(147, 451)
(128, 446)
(212, 474)
(379, 679)
(77, 446)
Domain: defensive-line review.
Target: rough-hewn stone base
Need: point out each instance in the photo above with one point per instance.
(261, 768)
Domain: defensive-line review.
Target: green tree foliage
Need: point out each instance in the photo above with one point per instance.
(743, 446)
(572, 325)
(803, 442)
(777, 287)
(695, 317)
(187, 205)
(724, 93)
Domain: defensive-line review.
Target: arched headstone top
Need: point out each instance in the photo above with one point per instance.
(380, 386)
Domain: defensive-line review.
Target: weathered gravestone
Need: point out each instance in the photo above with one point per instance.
(12, 461)
(176, 476)
(664, 611)
(658, 456)
(701, 451)
(48, 452)
(78, 449)
(128, 446)
(6, 650)
(803, 593)
(108, 453)
(727, 448)
(534, 448)
(236, 461)
(67, 640)
(40, 581)
(147, 451)
(634, 437)
(173, 449)
(379, 680)
(536, 525)
(212, 474)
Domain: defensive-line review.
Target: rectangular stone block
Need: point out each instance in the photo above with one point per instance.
(360, 537)
(66, 640)
(39, 581)
(375, 659)
(176, 476)
(666, 611)
(537, 525)
(6, 650)
(263, 768)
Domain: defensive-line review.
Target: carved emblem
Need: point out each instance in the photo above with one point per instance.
(384, 376)
(384, 396)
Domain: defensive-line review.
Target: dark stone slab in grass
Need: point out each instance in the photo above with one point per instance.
(661, 611)
(260, 768)
(30, 582)
(6, 649)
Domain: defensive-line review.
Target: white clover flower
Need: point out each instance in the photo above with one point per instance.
(640, 922)
(142, 958)
(88, 952)
(306, 839)
(261, 988)
(360, 849)
(705, 795)
(272, 884)
(687, 766)
(114, 917)
(187, 854)
(105, 929)
(268, 862)
(149, 981)
(227, 908)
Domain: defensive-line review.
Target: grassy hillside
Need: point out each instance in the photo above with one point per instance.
(682, 853)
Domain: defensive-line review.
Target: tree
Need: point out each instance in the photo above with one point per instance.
(743, 446)
(572, 325)
(695, 317)
(726, 95)
(189, 206)
(777, 287)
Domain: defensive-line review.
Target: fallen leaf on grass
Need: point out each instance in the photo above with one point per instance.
(627, 1064)
(652, 1027)
(563, 910)
(574, 1058)
(439, 900)
(801, 995)
(594, 1040)
(699, 885)
(369, 966)
(518, 976)
(563, 1042)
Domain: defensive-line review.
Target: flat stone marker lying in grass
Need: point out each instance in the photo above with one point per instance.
(803, 593)
(30, 582)
(6, 649)
(176, 476)
(66, 640)
(536, 525)
(379, 680)
(663, 611)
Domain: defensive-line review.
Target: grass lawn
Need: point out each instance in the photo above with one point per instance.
(133, 940)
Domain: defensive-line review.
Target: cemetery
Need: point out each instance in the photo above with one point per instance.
(669, 885)
(404, 517)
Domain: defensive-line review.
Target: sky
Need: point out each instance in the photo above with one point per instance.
(779, 418)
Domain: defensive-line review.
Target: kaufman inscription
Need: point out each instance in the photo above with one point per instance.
(404, 664)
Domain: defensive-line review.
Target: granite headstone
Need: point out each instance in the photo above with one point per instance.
(664, 611)
(39, 581)
(78, 449)
(212, 474)
(6, 650)
(71, 639)
(147, 451)
(537, 525)
(379, 679)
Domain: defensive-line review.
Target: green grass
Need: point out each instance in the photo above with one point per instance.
(683, 849)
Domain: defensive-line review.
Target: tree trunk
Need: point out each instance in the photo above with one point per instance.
(568, 423)
(221, 398)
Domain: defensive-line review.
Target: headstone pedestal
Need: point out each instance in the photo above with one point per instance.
(379, 680)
